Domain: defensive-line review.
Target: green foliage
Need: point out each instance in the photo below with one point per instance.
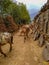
(24, 15)
(18, 11)
(4, 5)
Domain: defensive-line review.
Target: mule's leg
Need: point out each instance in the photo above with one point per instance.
(24, 37)
(27, 36)
(11, 43)
(10, 47)
(12, 39)
(2, 52)
(21, 33)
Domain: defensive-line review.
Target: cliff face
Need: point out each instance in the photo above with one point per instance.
(41, 30)
(7, 24)
(41, 20)
(41, 24)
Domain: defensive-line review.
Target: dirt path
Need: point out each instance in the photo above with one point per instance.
(28, 53)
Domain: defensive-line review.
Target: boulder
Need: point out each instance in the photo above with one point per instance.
(41, 41)
(45, 54)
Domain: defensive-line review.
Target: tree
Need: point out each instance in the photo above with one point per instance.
(24, 15)
(18, 11)
(4, 5)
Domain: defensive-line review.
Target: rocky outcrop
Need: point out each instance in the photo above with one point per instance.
(41, 22)
(41, 29)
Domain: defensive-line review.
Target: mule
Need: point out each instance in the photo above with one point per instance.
(5, 37)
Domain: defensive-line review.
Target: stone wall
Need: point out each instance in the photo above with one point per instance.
(41, 30)
(41, 24)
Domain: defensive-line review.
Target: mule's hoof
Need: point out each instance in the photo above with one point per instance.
(10, 50)
(5, 55)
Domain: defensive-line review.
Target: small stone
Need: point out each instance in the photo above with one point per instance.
(35, 58)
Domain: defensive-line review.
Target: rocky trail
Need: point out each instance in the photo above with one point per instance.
(28, 53)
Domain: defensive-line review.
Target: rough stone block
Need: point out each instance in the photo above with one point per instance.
(41, 41)
(45, 54)
(36, 35)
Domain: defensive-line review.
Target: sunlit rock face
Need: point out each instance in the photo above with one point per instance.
(41, 24)
(41, 29)
(42, 18)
